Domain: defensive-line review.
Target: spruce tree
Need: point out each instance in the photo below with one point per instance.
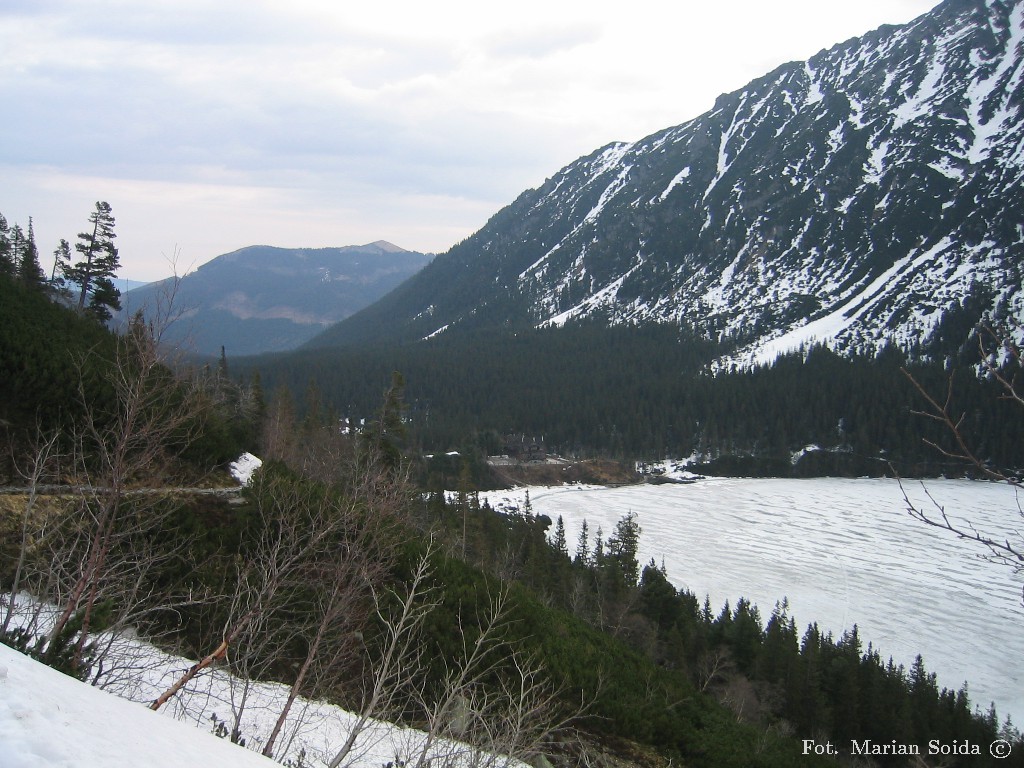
(222, 364)
(6, 257)
(583, 546)
(622, 549)
(559, 541)
(30, 274)
(61, 263)
(16, 241)
(386, 434)
(258, 400)
(598, 557)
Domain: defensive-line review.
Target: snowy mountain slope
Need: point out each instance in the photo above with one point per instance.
(854, 197)
(48, 718)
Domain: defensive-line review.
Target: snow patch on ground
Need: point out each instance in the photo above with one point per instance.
(875, 165)
(921, 103)
(797, 455)
(50, 719)
(438, 332)
(828, 328)
(243, 467)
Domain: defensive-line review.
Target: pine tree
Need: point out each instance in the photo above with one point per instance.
(806, 702)
(258, 399)
(222, 364)
(778, 654)
(93, 274)
(387, 434)
(279, 425)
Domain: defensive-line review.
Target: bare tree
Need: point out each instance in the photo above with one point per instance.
(40, 465)
(494, 704)
(92, 551)
(709, 668)
(342, 578)
(152, 416)
(305, 579)
(395, 663)
(288, 524)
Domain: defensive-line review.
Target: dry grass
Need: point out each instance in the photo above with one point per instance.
(592, 472)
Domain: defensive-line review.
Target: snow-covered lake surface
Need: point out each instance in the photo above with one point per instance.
(845, 552)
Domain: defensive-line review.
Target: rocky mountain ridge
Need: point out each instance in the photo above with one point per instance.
(856, 198)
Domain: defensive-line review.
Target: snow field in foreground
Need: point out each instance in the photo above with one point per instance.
(844, 552)
(50, 719)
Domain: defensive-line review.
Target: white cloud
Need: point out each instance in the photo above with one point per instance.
(272, 121)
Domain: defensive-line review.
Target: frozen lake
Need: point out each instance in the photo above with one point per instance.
(844, 552)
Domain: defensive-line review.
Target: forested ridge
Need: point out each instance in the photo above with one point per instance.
(55, 365)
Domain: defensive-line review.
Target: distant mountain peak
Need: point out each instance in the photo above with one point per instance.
(264, 298)
(387, 247)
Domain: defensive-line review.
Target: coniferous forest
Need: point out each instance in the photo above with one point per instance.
(648, 392)
(340, 559)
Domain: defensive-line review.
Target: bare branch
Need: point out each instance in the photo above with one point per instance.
(1007, 547)
(1002, 550)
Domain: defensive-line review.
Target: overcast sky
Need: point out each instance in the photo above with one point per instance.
(212, 125)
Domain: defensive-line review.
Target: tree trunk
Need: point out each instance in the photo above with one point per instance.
(194, 670)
